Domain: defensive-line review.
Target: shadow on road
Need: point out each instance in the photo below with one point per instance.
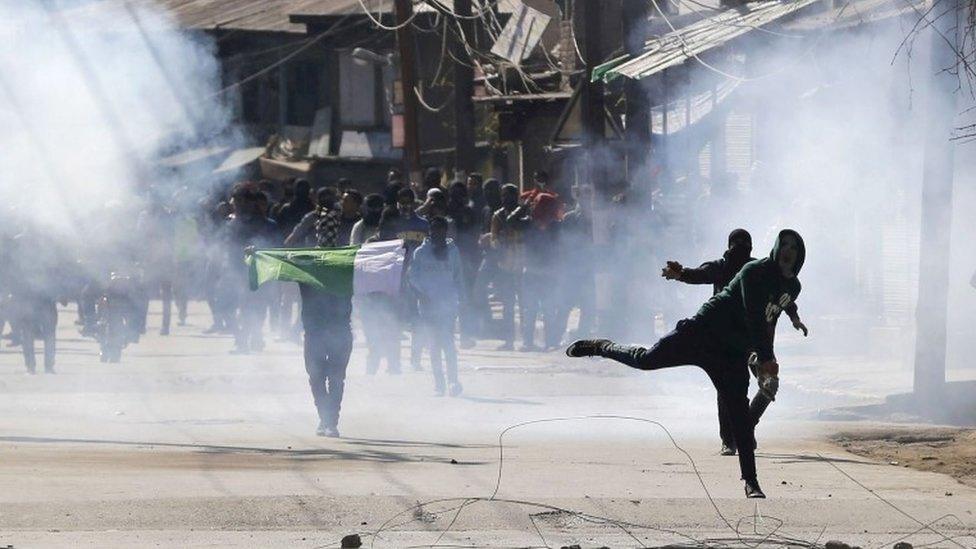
(363, 453)
(806, 458)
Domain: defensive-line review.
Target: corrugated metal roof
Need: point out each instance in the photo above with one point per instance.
(854, 13)
(247, 15)
(340, 7)
(253, 15)
(675, 47)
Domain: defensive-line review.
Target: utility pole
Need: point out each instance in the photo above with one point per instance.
(408, 83)
(638, 123)
(586, 14)
(937, 180)
(587, 21)
(464, 153)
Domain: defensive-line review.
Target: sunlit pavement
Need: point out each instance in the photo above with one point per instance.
(183, 443)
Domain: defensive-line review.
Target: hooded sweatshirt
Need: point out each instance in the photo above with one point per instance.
(720, 272)
(742, 315)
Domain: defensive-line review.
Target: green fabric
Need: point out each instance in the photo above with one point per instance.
(327, 269)
(743, 315)
(605, 71)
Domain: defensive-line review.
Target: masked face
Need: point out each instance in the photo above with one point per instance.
(789, 251)
(740, 247)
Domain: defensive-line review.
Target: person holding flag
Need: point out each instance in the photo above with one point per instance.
(328, 278)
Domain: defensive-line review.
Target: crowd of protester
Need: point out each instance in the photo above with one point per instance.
(477, 251)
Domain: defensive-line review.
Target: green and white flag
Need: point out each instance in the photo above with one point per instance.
(353, 270)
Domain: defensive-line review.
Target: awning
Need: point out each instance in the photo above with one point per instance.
(284, 169)
(212, 159)
(697, 38)
(239, 158)
(213, 154)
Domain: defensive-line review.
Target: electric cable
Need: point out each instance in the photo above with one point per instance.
(311, 42)
(380, 24)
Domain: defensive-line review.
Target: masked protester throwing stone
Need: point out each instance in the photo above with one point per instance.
(719, 273)
(719, 338)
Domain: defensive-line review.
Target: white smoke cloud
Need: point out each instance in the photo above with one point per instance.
(92, 94)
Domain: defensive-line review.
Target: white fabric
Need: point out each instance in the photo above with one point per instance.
(378, 267)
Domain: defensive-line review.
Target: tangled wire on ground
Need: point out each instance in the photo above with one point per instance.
(746, 529)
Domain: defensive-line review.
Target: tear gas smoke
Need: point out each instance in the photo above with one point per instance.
(91, 95)
(823, 135)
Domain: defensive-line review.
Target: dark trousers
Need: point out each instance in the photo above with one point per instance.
(166, 295)
(479, 294)
(326, 357)
(538, 300)
(470, 319)
(577, 290)
(756, 409)
(185, 285)
(38, 320)
(223, 293)
(250, 319)
(691, 345)
(507, 287)
(382, 330)
(440, 337)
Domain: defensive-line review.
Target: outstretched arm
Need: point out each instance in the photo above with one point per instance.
(707, 273)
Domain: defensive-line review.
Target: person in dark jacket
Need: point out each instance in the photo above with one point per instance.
(506, 247)
(291, 213)
(33, 276)
(467, 231)
(491, 192)
(735, 322)
(540, 274)
(248, 227)
(719, 273)
(328, 344)
(351, 211)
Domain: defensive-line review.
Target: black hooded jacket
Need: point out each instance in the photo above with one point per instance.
(742, 315)
(720, 272)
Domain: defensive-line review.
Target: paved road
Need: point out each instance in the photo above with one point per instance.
(184, 444)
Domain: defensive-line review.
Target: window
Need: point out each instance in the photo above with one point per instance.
(362, 93)
(303, 92)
